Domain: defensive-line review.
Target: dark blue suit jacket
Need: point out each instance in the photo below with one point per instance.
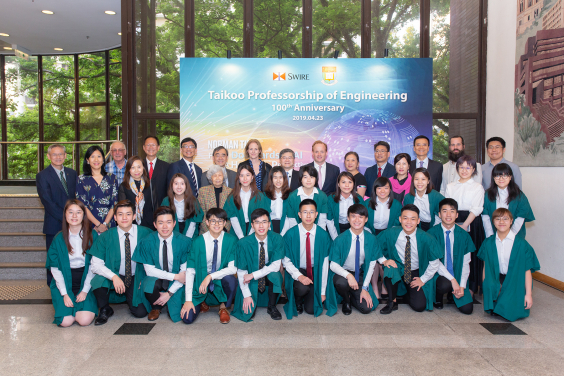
(182, 168)
(53, 196)
(330, 182)
(371, 175)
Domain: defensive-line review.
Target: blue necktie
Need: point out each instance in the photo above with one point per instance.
(193, 179)
(357, 259)
(214, 262)
(448, 255)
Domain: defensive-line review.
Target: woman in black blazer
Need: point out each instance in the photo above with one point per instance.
(253, 153)
(136, 187)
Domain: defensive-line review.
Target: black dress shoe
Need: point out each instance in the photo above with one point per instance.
(274, 313)
(282, 300)
(105, 314)
(347, 310)
(391, 306)
(300, 308)
(438, 305)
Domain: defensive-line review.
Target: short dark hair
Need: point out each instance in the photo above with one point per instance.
(162, 210)
(257, 213)
(469, 161)
(216, 212)
(498, 139)
(401, 156)
(307, 201)
(151, 136)
(448, 202)
(410, 207)
(357, 209)
(188, 139)
(420, 137)
(382, 143)
(218, 149)
(86, 169)
(456, 136)
(124, 204)
(311, 171)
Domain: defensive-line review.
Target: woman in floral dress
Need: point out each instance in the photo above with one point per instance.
(97, 189)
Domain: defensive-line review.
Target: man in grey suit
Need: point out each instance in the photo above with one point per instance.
(220, 157)
(421, 149)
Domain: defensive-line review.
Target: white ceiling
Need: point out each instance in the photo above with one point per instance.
(68, 28)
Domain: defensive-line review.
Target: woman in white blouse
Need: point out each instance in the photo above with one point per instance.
(278, 191)
(188, 213)
(71, 294)
(469, 195)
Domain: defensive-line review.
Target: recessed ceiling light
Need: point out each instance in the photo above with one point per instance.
(118, 33)
(57, 49)
(47, 12)
(7, 48)
(4, 35)
(110, 12)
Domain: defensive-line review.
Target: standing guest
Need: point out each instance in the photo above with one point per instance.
(220, 157)
(287, 158)
(187, 212)
(495, 147)
(277, 191)
(326, 172)
(253, 153)
(214, 195)
(509, 262)
(163, 254)
(210, 270)
(455, 261)
(70, 265)
(421, 149)
(339, 203)
(401, 181)
(137, 189)
(244, 199)
(469, 194)
(258, 259)
(308, 179)
(186, 165)
(381, 168)
(351, 165)
(456, 149)
(505, 193)
(55, 185)
(117, 165)
(97, 190)
(112, 263)
(306, 263)
(157, 169)
(427, 199)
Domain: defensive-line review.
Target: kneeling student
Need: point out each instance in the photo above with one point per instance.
(411, 260)
(258, 258)
(163, 255)
(509, 261)
(115, 279)
(353, 258)
(210, 270)
(306, 263)
(455, 261)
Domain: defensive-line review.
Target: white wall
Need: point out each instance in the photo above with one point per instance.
(542, 185)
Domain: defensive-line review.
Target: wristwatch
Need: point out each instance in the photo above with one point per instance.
(104, 223)
(170, 293)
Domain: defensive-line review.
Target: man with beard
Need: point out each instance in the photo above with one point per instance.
(456, 150)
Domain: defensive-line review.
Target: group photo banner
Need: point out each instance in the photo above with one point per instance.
(350, 104)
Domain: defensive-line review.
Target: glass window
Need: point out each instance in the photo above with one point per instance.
(58, 98)
(219, 27)
(336, 26)
(115, 94)
(466, 128)
(92, 74)
(168, 132)
(440, 140)
(278, 26)
(395, 26)
(92, 123)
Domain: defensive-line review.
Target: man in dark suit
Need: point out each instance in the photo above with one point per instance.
(220, 157)
(421, 149)
(55, 185)
(327, 172)
(287, 158)
(381, 168)
(157, 169)
(186, 165)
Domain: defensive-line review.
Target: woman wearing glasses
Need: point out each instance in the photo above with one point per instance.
(505, 193)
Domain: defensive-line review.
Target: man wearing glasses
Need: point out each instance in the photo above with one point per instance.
(381, 168)
(156, 168)
(220, 158)
(287, 158)
(186, 165)
(496, 148)
(117, 165)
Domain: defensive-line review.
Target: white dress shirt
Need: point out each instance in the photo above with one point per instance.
(501, 202)
(381, 214)
(294, 271)
(179, 206)
(192, 165)
(469, 195)
(350, 261)
(423, 204)
(276, 207)
(344, 205)
(504, 248)
(245, 199)
(76, 260)
(465, 264)
(154, 162)
(425, 163)
(450, 175)
(322, 217)
(153, 271)
(321, 169)
(99, 265)
(273, 267)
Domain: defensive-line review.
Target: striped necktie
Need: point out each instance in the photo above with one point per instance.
(64, 181)
(193, 180)
(407, 262)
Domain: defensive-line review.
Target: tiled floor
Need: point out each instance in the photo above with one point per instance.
(403, 343)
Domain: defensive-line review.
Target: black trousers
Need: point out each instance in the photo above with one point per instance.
(156, 294)
(344, 227)
(272, 296)
(76, 276)
(102, 295)
(444, 286)
(417, 300)
(275, 225)
(305, 294)
(349, 295)
(48, 240)
(425, 226)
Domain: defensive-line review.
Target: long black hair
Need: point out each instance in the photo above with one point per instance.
(379, 183)
(86, 170)
(348, 175)
(513, 189)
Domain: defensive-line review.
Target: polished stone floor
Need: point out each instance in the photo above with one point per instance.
(403, 343)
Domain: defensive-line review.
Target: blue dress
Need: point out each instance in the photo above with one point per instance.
(98, 198)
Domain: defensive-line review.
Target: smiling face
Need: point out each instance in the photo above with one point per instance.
(357, 221)
(253, 150)
(346, 185)
(220, 157)
(502, 181)
(118, 152)
(179, 186)
(189, 150)
(136, 170)
(96, 160)
(383, 192)
(287, 161)
(278, 180)
(465, 171)
(308, 214)
(261, 225)
(308, 181)
(495, 151)
(215, 225)
(402, 167)
(57, 157)
(74, 215)
(151, 148)
(381, 154)
(502, 224)
(217, 179)
(409, 221)
(351, 163)
(448, 215)
(319, 153)
(455, 146)
(245, 178)
(421, 182)
(124, 217)
(421, 148)
(165, 225)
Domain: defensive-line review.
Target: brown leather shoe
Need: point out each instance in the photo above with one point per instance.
(224, 317)
(154, 314)
(204, 307)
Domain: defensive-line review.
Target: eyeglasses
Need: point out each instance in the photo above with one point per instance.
(504, 176)
(466, 168)
(502, 219)
(494, 147)
(151, 145)
(380, 151)
(118, 150)
(188, 147)
(57, 155)
(217, 221)
(261, 222)
(287, 158)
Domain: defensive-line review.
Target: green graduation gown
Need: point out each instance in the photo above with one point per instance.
(147, 252)
(434, 200)
(247, 258)
(509, 303)
(333, 210)
(393, 220)
(198, 218)
(197, 260)
(259, 201)
(294, 201)
(519, 207)
(339, 253)
(427, 250)
(463, 244)
(321, 249)
(107, 248)
(58, 257)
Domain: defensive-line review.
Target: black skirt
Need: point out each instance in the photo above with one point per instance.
(76, 275)
(276, 226)
(478, 236)
(376, 231)
(425, 226)
(344, 227)
(181, 227)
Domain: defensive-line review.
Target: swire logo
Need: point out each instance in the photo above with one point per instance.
(279, 76)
